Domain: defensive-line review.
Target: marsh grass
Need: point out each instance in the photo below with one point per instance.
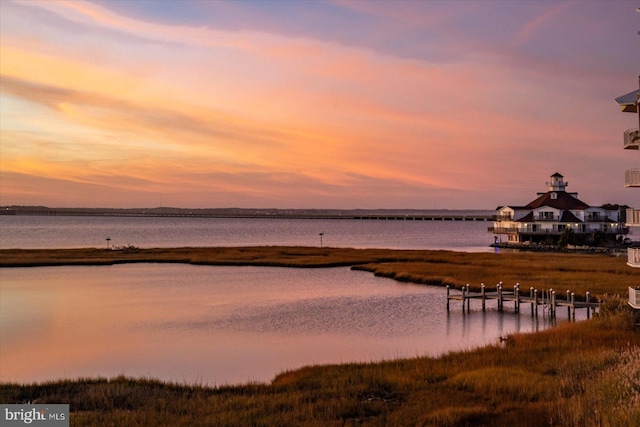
(598, 274)
(577, 374)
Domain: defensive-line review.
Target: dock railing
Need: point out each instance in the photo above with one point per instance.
(546, 298)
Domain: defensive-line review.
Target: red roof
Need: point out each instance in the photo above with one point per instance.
(566, 217)
(563, 201)
(527, 218)
(569, 217)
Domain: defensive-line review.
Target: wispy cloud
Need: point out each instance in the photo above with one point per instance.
(529, 30)
(104, 99)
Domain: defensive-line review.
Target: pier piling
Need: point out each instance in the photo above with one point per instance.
(448, 294)
(531, 294)
(463, 297)
(546, 298)
(468, 300)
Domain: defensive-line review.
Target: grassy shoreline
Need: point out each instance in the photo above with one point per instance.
(597, 273)
(585, 373)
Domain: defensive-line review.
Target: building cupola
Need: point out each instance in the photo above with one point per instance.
(557, 183)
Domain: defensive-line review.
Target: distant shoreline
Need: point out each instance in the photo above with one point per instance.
(365, 214)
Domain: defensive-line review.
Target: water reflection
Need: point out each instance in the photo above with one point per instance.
(217, 325)
(492, 323)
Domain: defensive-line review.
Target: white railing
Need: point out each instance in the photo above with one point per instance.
(631, 139)
(553, 229)
(633, 217)
(504, 230)
(632, 178)
(634, 297)
(633, 257)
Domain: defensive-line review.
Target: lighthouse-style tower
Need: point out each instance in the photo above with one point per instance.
(557, 183)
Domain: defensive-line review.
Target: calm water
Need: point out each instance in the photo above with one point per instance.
(70, 232)
(222, 325)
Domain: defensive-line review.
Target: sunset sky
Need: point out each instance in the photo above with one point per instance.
(309, 104)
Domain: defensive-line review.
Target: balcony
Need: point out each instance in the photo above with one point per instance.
(594, 218)
(632, 178)
(633, 217)
(557, 229)
(633, 259)
(503, 230)
(631, 139)
(525, 229)
(634, 297)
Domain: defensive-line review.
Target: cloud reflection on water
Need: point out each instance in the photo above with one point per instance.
(220, 325)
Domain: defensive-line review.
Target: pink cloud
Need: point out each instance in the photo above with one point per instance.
(527, 32)
(274, 119)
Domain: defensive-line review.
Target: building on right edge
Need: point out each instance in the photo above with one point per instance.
(629, 104)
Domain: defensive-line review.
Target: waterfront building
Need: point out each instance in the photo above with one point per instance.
(629, 104)
(557, 217)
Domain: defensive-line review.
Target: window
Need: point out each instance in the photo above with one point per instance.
(546, 215)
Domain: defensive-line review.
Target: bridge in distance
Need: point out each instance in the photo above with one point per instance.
(358, 214)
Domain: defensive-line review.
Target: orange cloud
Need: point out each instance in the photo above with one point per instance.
(137, 107)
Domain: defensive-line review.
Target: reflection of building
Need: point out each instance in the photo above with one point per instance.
(557, 217)
(629, 104)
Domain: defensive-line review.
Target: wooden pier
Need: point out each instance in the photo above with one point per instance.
(547, 300)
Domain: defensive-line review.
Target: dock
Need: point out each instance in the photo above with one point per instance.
(547, 300)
